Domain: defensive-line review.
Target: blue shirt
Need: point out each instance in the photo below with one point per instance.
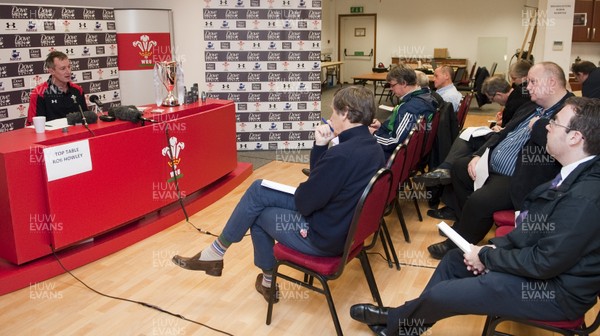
(450, 94)
(504, 156)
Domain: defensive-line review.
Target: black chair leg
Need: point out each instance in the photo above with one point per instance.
(272, 294)
(334, 316)
(364, 261)
(402, 221)
(385, 247)
(411, 187)
(384, 230)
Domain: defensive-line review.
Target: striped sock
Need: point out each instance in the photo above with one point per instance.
(266, 281)
(214, 251)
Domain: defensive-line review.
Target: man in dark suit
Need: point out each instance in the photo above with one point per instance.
(588, 75)
(518, 161)
(547, 269)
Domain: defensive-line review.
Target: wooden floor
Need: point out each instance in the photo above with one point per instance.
(63, 306)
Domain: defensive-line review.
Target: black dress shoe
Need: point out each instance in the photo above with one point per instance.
(211, 267)
(379, 330)
(442, 213)
(265, 291)
(439, 250)
(434, 178)
(306, 171)
(369, 314)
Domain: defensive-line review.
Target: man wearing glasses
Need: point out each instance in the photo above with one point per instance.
(546, 269)
(414, 102)
(518, 161)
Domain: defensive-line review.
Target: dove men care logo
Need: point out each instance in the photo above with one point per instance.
(111, 62)
(113, 84)
(70, 39)
(47, 40)
(91, 39)
(89, 14)
(25, 97)
(67, 14)
(108, 14)
(44, 13)
(22, 41)
(19, 12)
(93, 63)
(110, 38)
(5, 100)
(95, 87)
(25, 69)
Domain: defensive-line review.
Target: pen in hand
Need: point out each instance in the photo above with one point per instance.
(325, 122)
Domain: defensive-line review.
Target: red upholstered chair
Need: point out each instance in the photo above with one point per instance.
(504, 218)
(395, 164)
(413, 159)
(567, 328)
(365, 223)
(463, 109)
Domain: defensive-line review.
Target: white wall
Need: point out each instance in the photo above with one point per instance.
(406, 26)
(187, 15)
(402, 25)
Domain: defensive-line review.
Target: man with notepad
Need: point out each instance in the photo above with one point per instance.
(314, 218)
(518, 161)
(547, 269)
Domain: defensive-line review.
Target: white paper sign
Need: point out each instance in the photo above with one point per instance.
(67, 160)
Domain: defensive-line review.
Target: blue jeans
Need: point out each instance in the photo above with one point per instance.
(270, 215)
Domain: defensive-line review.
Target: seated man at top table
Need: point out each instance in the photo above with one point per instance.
(58, 96)
(414, 102)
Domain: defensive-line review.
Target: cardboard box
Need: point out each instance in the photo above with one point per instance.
(440, 53)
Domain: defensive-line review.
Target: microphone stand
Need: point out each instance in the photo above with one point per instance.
(85, 123)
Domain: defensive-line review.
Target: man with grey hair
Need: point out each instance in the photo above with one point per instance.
(315, 219)
(518, 161)
(414, 102)
(547, 268)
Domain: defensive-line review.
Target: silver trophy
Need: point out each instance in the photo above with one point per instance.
(167, 74)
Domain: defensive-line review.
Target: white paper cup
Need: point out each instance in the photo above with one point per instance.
(39, 123)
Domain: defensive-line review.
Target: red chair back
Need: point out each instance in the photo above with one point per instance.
(368, 212)
(411, 151)
(463, 110)
(396, 164)
(421, 126)
(432, 131)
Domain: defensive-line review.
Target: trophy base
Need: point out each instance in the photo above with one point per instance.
(170, 102)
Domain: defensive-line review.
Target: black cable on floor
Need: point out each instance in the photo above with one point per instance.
(145, 304)
(175, 180)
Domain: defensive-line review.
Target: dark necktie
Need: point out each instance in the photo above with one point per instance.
(523, 213)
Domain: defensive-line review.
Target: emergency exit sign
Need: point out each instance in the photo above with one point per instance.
(356, 9)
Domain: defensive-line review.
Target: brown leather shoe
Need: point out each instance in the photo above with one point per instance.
(211, 267)
(265, 291)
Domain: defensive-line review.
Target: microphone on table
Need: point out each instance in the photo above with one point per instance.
(78, 117)
(84, 116)
(96, 100)
(129, 113)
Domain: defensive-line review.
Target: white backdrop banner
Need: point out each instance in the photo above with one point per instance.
(265, 56)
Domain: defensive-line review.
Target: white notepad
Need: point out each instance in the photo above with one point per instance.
(455, 237)
(278, 186)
